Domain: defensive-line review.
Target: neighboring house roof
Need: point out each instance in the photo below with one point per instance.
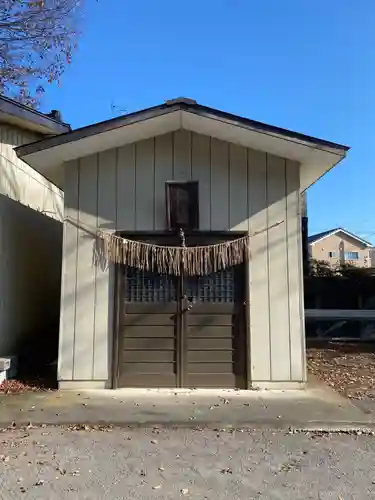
(314, 238)
(18, 114)
(48, 155)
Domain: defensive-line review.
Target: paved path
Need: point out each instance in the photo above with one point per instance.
(313, 408)
(57, 463)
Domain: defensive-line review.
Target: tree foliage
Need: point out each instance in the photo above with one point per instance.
(37, 38)
(344, 269)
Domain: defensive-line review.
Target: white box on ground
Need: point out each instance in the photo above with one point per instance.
(5, 364)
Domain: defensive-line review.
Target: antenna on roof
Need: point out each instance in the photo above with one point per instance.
(117, 110)
(180, 100)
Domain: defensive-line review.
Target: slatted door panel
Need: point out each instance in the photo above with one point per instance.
(215, 333)
(148, 333)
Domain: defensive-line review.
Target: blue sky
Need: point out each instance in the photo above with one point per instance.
(307, 65)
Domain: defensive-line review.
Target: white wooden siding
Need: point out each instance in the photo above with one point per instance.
(259, 275)
(86, 272)
(201, 172)
(163, 170)
(220, 185)
(295, 271)
(107, 219)
(144, 185)
(22, 183)
(239, 189)
(69, 273)
(277, 266)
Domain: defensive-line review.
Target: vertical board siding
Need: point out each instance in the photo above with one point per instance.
(182, 155)
(201, 172)
(22, 183)
(258, 267)
(219, 185)
(239, 189)
(126, 187)
(296, 322)
(144, 185)
(69, 272)
(278, 269)
(86, 271)
(163, 173)
(106, 220)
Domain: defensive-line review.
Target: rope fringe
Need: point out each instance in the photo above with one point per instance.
(194, 261)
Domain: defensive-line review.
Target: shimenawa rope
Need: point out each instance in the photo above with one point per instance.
(194, 260)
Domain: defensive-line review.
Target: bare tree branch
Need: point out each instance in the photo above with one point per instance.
(37, 39)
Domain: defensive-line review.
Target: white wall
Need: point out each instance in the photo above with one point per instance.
(239, 189)
(30, 277)
(19, 181)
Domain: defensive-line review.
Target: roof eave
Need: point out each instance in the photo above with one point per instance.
(341, 230)
(315, 155)
(15, 113)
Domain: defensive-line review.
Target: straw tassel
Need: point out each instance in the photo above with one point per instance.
(195, 261)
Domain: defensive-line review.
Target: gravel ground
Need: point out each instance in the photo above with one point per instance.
(58, 463)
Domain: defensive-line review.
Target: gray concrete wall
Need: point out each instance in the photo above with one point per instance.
(30, 278)
(239, 189)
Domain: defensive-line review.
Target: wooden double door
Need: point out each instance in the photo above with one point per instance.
(181, 331)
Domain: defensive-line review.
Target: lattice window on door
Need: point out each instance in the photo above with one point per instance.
(142, 286)
(216, 287)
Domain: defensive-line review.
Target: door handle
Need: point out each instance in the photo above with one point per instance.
(187, 304)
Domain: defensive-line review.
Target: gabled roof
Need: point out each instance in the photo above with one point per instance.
(18, 114)
(317, 155)
(314, 238)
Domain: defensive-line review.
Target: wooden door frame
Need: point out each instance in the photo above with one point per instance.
(154, 236)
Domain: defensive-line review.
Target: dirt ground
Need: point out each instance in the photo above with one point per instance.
(348, 368)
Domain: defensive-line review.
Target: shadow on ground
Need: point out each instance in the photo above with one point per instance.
(314, 408)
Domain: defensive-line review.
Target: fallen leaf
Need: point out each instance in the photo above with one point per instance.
(346, 367)
(226, 471)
